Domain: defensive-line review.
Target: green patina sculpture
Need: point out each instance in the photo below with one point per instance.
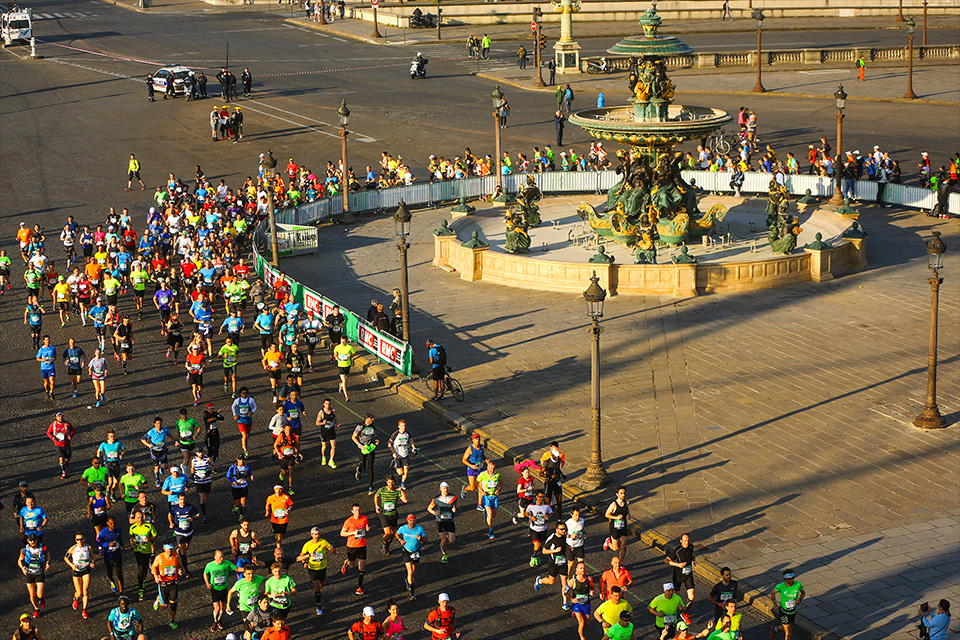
(646, 250)
(778, 199)
(684, 257)
(601, 257)
(818, 244)
(517, 236)
(444, 230)
(527, 199)
(807, 198)
(475, 242)
(846, 209)
(855, 231)
(783, 237)
(463, 207)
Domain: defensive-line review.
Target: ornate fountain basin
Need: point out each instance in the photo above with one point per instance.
(619, 124)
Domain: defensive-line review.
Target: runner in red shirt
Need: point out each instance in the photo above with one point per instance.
(615, 576)
(281, 288)
(277, 630)
(61, 432)
(366, 628)
(241, 270)
(355, 530)
(442, 621)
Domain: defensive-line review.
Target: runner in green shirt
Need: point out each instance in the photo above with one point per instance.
(139, 278)
(247, 589)
(786, 596)
(623, 630)
(187, 429)
(215, 575)
(228, 353)
(142, 535)
(666, 607)
(385, 500)
(130, 485)
(94, 475)
(279, 588)
(489, 483)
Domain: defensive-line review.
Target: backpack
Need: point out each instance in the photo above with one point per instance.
(441, 356)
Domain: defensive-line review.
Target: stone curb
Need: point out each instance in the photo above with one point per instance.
(588, 500)
(123, 5)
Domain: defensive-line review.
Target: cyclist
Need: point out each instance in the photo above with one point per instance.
(438, 367)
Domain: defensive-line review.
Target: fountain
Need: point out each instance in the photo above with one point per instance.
(652, 198)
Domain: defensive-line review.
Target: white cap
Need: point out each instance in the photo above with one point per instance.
(667, 586)
(368, 611)
(231, 636)
(153, 209)
(923, 153)
(876, 146)
(443, 598)
(444, 484)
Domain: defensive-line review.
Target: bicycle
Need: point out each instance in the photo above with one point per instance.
(450, 383)
(720, 143)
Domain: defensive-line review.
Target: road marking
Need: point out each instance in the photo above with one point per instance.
(822, 71)
(339, 39)
(357, 137)
(94, 69)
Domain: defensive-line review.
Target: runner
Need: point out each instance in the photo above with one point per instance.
(165, 301)
(442, 621)
(365, 437)
(538, 513)
(283, 393)
(123, 335)
(295, 361)
(723, 592)
(786, 597)
(247, 589)
(575, 538)
(243, 541)
(343, 353)
(240, 475)
(666, 607)
(74, 358)
(181, 517)
(385, 502)
(33, 317)
(608, 613)
(310, 328)
(729, 616)
(271, 364)
(366, 628)
(34, 563)
(617, 513)
(173, 485)
(327, 421)
(286, 448)
(111, 452)
(615, 576)
(443, 507)
(490, 484)
(277, 629)
(201, 472)
(62, 432)
(124, 622)
(279, 588)
(551, 470)
(623, 629)
(402, 447)
(411, 537)
(228, 353)
(138, 280)
(265, 324)
(682, 560)
(97, 367)
(393, 626)
(211, 419)
(313, 555)
(156, 441)
(79, 558)
(97, 506)
(293, 410)
(473, 458)
(526, 491)
(243, 409)
(166, 573)
(47, 357)
(234, 325)
(94, 476)
(278, 509)
(258, 621)
(215, 576)
(5, 264)
(98, 314)
(145, 508)
(580, 590)
(110, 546)
(334, 322)
(355, 529)
(61, 296)
(194, 364)
(142, 536)
(174, 332)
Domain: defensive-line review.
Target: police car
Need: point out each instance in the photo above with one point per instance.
(175, 74)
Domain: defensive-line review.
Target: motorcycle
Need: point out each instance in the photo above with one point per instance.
(420, 20)
(599, 67)
(418, 68)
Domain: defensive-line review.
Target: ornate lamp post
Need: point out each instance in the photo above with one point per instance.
(268, 164)
(496, 99)
(594, 296)
(537, 55)
(930, 417)
(401, 219)
(841, 96)
(910, 95)
(758, 16)
(900, 13)
(344, 114)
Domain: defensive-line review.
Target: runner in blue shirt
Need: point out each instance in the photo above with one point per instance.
(111, 548)
(181, 519)
(74, 358)
(47, 357)
(156, 441)
(98, 314)
(32, 519)
(174, 484)
(33, 317)
(124, 623)
(234, 326)
(264, 324)
(293, 413)
(412, 537)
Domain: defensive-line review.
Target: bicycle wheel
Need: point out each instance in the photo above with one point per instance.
(455, 388)
(722, 147)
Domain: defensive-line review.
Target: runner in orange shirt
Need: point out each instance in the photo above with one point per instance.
(271, 364)
(367, 628)
(166, 573)
(278, 510)
(614, 576)
(277, 630)
(355, 530)
(24, 235)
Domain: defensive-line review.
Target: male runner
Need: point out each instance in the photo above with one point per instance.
(240, 475)
(313, 555)
(327, 421)
(61, 433)
(75, 359)
(355, 529)
(385, 502)
(402, 447)
(786, 597)
(411, 537)
(490, 484)
(538, 513)
(215, 576)
(617, 513)
(156, 441)
(243, 409)
(682, 560)
(278, 509)
(167, 570)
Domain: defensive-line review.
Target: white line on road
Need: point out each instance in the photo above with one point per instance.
(822, 71)
(357, 137)
(94, 69)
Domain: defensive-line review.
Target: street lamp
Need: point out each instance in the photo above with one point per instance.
(930, 417)
(344, 114)
(537, 55)
(268, 163)
(910, 95)
(758, 16)
(401, 219)
(497, 99)
(924, 22)
(376, 31)
(900, 13)
(594, 296)
(841, 97)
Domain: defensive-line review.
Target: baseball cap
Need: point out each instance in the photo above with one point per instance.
(667, 586)
(23, 483)
(231, 636)
(314, 529)
(59, 413)
(681, 626)
(789, 574)
(368, 611)
(24, 616)
(443, 598)
(475, 436)
(442, 485)
(626, 615)
(209, 405)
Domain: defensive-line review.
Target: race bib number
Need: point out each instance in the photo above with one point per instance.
(619, 524)
(389, 507)
(31, 523)
(169, 571)
(360, 534)
(446, 515)
(244, 547)
(61, 437)
(288, 451)
(281, 601)
(687, 570)
(122, 623)
(790, 604)
(279, 514)
(670, 619)
(559, 559)
(415, 555)
(583, 598)
(219, 581)
(112, 456)
(316, 557)
(113, 546)
(183, 524)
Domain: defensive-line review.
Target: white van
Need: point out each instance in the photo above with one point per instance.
(16, 26)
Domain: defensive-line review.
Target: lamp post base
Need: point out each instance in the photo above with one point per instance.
(347, 217)
(930, 418)
(836, 200)
(594, 478)
(758, 88)
(910, 95)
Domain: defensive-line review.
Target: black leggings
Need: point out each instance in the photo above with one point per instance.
(143, 567)
(366, 460)
(213, 445)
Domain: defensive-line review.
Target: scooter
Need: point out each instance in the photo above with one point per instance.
(418, 68)
(599, 67)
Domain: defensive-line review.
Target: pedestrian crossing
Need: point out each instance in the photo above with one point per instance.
(498, 59)
(69, 15)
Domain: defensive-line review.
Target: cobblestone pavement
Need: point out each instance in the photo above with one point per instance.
(773, 425)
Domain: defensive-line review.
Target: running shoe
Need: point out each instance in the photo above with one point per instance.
(403, 486)
(156, 603)
(74, 394)
(98, 403)
(369, 491)
(384, 550)
(43, 602)
(359, 591)
(113, 586)
(282, 476)
(85, 615)
(480, 507)
(333, 465)
(172, 624)
(213, 627)
(323, 461)
(444, 559)
(291, 492)
(140, 595)
(319, 611)
(76, 604)
(490, 534)
(606, 544)
(463, 492)
(36, 613)
(686, 617)
(565, 606)
(536, 583)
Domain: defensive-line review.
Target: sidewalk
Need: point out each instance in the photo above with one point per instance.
(772, 425)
